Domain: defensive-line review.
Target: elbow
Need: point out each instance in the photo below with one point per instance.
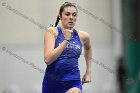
(47, 60)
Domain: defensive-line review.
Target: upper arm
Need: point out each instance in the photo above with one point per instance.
(85, 39)
(87, 43)
(49, 41)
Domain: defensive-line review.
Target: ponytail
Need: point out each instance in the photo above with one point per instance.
(57, 21)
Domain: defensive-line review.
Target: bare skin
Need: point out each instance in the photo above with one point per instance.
(51, 53)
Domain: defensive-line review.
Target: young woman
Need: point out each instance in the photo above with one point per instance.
(62, 49)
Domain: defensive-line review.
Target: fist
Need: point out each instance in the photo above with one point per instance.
(86, 78)
(68, 34)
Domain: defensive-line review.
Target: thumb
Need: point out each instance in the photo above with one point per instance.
(72, 33)
(83, 80)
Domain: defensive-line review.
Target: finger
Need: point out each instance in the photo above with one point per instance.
(82, 81)
(87, 81)
(72, 33)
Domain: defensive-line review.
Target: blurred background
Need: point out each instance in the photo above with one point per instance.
(114, 28)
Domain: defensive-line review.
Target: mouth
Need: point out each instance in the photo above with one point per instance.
(70, 23)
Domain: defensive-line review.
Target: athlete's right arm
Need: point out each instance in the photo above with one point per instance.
(50, 52)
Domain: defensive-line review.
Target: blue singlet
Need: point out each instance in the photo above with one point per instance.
(65, 67)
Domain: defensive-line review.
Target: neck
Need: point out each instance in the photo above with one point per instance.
(63, 27)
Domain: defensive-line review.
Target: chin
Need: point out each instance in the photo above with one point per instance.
(70, 26)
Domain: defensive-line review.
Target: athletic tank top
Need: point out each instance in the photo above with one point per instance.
(66, 67)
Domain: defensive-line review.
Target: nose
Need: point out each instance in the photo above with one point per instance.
(71, 16)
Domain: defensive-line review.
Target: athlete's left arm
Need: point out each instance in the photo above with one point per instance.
(88, 58)
(88, 53)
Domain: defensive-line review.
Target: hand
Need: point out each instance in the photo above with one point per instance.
(68, 34)
(86, 78)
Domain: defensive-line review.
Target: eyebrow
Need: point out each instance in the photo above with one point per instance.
(70, 12)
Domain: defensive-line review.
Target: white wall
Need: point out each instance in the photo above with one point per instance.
(22, 36)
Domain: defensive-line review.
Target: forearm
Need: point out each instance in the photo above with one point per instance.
(53, 55)
(88, 58)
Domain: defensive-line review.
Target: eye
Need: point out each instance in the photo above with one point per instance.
(75, 14)
(67, 14)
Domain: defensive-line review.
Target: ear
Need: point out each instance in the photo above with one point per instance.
(60, 17)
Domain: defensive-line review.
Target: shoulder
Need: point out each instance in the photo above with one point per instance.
(84, 36)
(52, 30)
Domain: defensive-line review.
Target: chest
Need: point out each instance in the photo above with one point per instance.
(72, 49)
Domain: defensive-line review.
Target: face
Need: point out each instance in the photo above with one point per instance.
(69, 17)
